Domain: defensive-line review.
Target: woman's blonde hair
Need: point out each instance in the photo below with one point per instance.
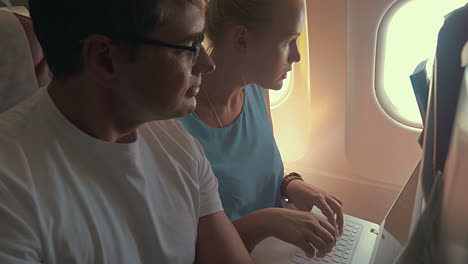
(222, 14)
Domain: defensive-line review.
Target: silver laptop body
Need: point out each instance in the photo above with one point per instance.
(362, 241)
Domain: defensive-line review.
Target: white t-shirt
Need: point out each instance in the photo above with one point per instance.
(66, 197)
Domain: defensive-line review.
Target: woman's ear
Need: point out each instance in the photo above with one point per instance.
(240, 38)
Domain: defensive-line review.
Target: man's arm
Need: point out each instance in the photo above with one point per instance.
(254, 228)
(219, 242)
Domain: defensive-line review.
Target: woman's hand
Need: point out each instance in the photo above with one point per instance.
(308, 231)
(305, 196)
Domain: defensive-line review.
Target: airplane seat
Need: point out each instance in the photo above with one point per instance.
(441, 233)
(443, 95)
(43, 74)
(23, 68)
(453, 228)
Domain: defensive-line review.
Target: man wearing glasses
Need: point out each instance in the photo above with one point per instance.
(91, 168)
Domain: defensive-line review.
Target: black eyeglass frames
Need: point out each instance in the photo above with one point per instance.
(142, 40)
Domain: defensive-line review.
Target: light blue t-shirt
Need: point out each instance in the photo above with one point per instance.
(244, 156)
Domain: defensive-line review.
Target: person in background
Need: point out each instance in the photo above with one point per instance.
(91, 168)
(254, 44)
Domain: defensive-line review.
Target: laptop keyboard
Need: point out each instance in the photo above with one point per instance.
(343, 251)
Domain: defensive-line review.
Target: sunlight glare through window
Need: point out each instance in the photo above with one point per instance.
(277, 97)
(411, 37)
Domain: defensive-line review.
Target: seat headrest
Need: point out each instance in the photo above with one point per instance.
(18, 58)
(43, 74)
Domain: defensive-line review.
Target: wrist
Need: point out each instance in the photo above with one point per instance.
(255, 227)
(289, 178)
(293, 187)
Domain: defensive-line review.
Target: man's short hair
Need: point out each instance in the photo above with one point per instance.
(62, 25)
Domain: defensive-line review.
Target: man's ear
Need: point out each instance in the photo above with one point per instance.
(240, 38)
(98, 59)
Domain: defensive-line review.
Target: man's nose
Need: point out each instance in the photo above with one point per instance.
(204, 63)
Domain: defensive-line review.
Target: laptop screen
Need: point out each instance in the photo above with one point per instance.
(395, 229)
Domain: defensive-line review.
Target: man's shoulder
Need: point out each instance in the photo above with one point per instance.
(172, 135)
(172, 128)
(21, 113)
(16, 121)
(168, 125)
(17, 127)
(13, 161)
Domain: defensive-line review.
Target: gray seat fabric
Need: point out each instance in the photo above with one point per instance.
(17, 74)
(22, 63)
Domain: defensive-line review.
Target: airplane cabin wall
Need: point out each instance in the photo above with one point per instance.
(391, 149)
(354, 150)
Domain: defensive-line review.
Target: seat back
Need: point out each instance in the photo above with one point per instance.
(43, 74)
(453, 227)
(443, 96)
(452, 38)
(22, 65)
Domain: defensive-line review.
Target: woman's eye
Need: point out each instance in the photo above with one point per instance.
(293, 42)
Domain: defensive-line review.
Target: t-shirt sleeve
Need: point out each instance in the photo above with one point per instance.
(19, 242)
(210, 202)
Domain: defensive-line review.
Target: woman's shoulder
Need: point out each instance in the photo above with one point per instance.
(255, 87)
(189, 120)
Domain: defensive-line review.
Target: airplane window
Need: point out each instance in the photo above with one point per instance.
(407, 35)
(277, 97)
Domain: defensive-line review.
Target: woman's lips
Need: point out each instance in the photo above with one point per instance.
(285, 75)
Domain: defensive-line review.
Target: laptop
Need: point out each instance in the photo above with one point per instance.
(362, 241)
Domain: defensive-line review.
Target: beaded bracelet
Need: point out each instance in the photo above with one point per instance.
(286, 180)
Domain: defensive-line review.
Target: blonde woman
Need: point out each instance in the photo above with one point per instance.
(254, 44)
